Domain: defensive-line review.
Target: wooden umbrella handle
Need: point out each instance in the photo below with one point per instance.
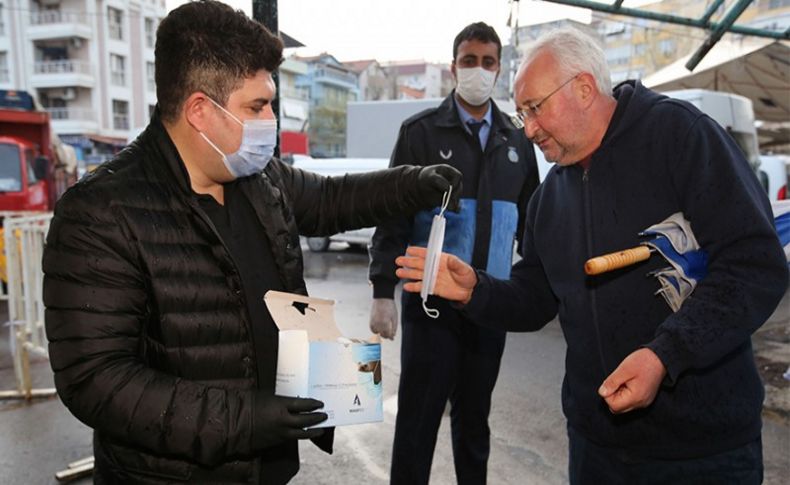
(620, 259)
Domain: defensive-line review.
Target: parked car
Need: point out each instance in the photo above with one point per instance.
(337, 167)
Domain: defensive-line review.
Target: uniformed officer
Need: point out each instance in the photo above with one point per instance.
(449, 357)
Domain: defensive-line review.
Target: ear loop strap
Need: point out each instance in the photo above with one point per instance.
(445, 201)
(432, 312)
(226, 111)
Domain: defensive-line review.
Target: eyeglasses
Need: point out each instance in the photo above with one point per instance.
(532, 111)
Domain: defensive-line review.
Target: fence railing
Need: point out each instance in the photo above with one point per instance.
(63, 66)
(24, 235)
(81, 114)
(49, 17)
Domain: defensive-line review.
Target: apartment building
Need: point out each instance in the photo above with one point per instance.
(294, 107)
(420, 79)
(374, 81)
(89, 63)
(636, 47)
(331, 85)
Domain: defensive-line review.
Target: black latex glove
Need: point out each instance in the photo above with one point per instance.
(435, 180)
(278, 419)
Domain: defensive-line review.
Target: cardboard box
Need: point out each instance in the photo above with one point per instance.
(315, 360)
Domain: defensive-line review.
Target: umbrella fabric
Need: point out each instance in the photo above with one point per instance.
(781, 210)
(675, 241)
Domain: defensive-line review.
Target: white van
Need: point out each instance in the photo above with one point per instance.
(733, 112)
(775, 175)
(334, 167)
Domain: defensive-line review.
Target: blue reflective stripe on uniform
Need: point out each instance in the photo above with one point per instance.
(504, 220)
(459, 233)
(459, 236)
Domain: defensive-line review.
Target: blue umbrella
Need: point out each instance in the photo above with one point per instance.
(781, 210)
(688, 263)
(675, 241)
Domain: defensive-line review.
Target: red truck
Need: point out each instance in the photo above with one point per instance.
(32, 173)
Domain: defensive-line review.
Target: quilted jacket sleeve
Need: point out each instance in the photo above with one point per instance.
(96, 307)
(324, 206)
(391, 238)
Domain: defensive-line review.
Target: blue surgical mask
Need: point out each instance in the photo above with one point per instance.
(258, 139)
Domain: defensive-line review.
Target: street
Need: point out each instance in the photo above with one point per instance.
(528, 443)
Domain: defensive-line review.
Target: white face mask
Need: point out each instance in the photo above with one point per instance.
(475, 84)
(433, 256)
(258, 139)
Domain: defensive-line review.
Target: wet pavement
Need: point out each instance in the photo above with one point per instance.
(528, 443)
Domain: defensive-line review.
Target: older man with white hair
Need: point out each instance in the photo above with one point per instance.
(651, 395)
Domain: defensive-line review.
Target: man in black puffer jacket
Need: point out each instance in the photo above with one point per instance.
(157, 263)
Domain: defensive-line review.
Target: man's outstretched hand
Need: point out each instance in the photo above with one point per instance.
(455, 280)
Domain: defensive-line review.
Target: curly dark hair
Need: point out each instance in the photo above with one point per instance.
(207, 46)
(478, 31)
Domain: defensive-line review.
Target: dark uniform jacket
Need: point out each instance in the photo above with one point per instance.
(150, 338)
(497, 184)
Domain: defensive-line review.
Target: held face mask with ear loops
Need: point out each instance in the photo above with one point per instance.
(434, 255)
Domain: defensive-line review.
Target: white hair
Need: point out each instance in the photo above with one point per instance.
(574, 52)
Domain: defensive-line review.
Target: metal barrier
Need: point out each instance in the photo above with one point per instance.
(24, 237)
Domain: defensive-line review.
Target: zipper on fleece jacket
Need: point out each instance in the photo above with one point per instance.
(588, 233)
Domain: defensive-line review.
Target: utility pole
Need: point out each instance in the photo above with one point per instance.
(265, 12)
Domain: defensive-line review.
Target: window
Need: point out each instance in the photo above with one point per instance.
(150, 32)
(618, 56)
(778, 4)
(117, 70)
(10, 169)
(614, 28)
(667, 47)
(31, 171)
(4, 77)
(120, 114)
(115, 23)
(2, 22)
(150, 76)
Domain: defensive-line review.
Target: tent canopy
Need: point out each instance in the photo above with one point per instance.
(757, 69)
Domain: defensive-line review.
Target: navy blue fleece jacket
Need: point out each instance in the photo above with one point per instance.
(658, 156)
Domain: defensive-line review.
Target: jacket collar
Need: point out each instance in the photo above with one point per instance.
(168, 161)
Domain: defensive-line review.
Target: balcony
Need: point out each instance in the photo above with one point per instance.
(54, 24)
(73, 120)
(64, 72)
(294, 93)
(333, 76)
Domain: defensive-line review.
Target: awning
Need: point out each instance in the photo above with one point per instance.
(108, 140)
(757, 69)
